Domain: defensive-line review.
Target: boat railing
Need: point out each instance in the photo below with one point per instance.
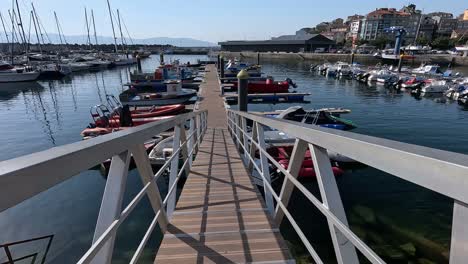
(441, 171)
(24, 177)
(9, 256)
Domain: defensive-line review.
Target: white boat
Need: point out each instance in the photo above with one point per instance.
(161, 152)
(438, 86)
(344, 69)
(379, 74)
(174, 94)
(427, 70)
(10, 74)
(463, 49)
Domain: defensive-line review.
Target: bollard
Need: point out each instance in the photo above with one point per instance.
(352, 57)
(242, 89)
(219, 62)
(399, 63)
(138, 62)
(258, 58)
(221, 67)
(161, 58)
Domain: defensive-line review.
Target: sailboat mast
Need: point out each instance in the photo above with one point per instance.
(4, 28)
(37, 20)
(94, 27)
(121, 34)
(58, 28)
(37, 33)
(87, 27)
(112, 23)
(20, 24)
(13, 34)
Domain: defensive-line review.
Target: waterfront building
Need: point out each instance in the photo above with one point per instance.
(286, 43)
(354, 26)
(375, 23)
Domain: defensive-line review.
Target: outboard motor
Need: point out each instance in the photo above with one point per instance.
(126, 117)
(290, 82)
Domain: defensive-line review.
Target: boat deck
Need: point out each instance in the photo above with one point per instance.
(220, 216)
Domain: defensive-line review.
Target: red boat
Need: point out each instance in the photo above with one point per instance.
(267, 86)
(114, 122)
(157, 111)
(307, 171)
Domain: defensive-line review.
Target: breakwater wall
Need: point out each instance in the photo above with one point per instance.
(441, 59)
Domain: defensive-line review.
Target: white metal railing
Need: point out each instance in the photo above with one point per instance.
(441, 171)
(26, 176)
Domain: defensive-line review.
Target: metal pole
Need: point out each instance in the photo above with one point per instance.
(161, 58)
(219, 61)
(138, 58)
(87, 27)
(258, 58)
(352, 57)
(113, 29)
(400, 63)
(221, 67)
(242, 90)
(94, 26)
(37, 33)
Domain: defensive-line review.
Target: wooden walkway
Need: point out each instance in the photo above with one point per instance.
(220, 216)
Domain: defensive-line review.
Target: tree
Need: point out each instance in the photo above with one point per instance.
(380, 42)
(442, 43)
(422, 40)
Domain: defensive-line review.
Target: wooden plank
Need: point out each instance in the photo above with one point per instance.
(220, 216)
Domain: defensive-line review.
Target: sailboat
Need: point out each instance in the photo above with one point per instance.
(9, 73)
(118, 59)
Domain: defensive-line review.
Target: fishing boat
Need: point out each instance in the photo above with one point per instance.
(427, 70)
(173, 93)
(413, 83)
(162, 151)
(436, 86)
(53, 71)
(283, 154)
(325, 117)
(9, 73)
(269, 85)
(233, 67)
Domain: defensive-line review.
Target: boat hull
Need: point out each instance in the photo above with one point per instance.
(18, 77)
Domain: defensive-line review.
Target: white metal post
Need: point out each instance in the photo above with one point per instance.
(344, 250)
(253, 147)
(190, 143)
(146, 174)
(459, 242)
(265, 169)
(245, 139)
(171, 202)
(295, 164)
(111, 205)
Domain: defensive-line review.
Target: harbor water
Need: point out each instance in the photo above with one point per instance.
(389, 213)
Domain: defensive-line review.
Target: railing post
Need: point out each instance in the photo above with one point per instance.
(265, 169)
(184, 150)
(253, 147)
(458, 248)
(147, 175)
(171, 202)
(344, 250)
(192, 141)
(244, 138)
(295, 164)
(111, 205)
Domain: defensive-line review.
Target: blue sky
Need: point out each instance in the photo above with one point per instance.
(212, 20)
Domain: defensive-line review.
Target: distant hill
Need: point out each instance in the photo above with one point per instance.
(81, 39)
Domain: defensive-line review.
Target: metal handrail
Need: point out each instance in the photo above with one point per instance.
(357, 147)
(6, 247)
(85, 154)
